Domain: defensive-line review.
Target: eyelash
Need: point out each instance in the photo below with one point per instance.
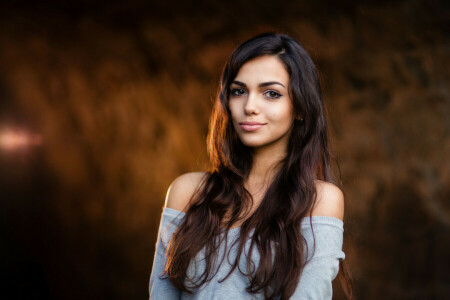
(233, 92)
(277, 95)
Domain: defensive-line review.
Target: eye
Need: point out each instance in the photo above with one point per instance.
(237, 92)
(272, 94)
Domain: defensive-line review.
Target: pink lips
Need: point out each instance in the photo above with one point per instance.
(251, 126)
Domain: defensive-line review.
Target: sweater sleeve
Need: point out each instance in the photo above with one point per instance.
(161, 287)
(323, 265)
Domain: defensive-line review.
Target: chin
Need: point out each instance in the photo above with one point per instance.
(256, 141)
(253, 143)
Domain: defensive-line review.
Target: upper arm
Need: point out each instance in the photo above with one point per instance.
(330, 201)
(182, 189)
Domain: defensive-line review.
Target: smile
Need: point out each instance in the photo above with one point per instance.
(251, 126)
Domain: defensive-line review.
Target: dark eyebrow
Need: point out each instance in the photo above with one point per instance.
(270, 83)
(260, 85)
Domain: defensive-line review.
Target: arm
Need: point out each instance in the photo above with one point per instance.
(177, 198)
(323, 265)
(162, 288)
(318, 274)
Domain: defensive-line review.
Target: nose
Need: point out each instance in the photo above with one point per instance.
(251, 105)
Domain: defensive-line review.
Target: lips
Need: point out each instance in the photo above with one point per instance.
(251, 126)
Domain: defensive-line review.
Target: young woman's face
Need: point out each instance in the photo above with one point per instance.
(261, 109)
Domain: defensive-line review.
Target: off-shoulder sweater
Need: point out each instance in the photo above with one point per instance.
(314, 283)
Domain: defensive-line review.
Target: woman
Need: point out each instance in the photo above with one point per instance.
(266, 221)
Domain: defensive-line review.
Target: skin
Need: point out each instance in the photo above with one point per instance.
(259, 93)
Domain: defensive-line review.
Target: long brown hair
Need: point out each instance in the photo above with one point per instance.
(274, 228)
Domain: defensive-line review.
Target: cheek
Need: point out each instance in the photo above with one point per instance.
(233, 109)
(282, 114)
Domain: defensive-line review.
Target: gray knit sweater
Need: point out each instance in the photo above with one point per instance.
(315, 282)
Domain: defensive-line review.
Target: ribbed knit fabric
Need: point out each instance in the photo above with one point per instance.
(315, 282)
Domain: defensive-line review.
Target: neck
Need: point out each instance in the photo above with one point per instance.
(265, 164)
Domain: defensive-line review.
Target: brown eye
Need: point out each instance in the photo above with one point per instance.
(237, 92)
(272, 94)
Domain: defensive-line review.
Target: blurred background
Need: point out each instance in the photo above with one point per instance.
(104, 103)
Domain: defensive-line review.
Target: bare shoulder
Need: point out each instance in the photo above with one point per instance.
(182, 188)
(330, 200)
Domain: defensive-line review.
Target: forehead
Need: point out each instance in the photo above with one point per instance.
(263, 69)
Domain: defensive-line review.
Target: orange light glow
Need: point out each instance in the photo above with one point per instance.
(14, 139)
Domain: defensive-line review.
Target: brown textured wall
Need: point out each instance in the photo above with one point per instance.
(121, 92)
